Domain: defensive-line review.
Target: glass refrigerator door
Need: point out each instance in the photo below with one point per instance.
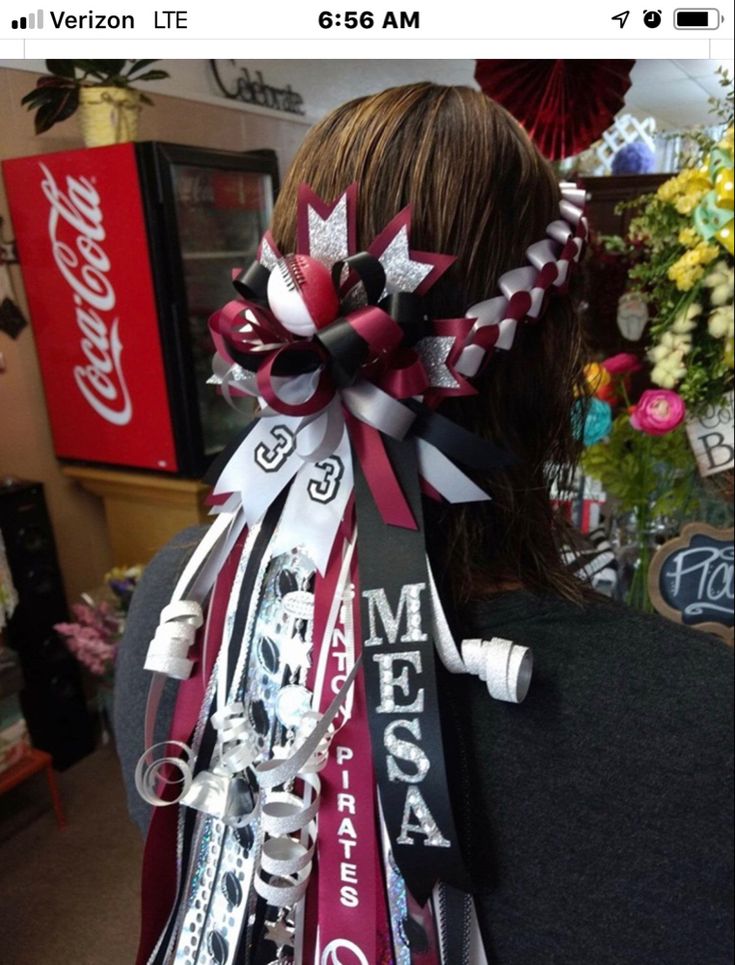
(221, 214)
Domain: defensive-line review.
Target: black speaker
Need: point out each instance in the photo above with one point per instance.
(52, 699)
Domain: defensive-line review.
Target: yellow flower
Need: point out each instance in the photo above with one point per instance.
(686, 272)
(688, 201)
(689, 237)
(596, 376)
(668, 190)
(706, 252)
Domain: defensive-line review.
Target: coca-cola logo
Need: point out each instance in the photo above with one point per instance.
(341, 951)
(76, 232)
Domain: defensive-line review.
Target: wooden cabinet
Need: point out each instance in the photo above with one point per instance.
(143, 510)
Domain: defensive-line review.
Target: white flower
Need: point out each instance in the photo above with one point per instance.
(686, 320)
(721, 280)
(672, 343)
(668, 356)
(669, 372)
(721, 323)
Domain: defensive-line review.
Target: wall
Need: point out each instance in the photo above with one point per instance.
(26, 448)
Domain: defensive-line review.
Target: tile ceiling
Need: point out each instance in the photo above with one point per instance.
(675, 92)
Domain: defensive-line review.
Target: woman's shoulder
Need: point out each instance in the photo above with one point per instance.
(595, 630)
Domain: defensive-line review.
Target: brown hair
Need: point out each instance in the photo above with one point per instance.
(479, 190)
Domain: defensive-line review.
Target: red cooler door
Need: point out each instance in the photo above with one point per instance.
(78, 220)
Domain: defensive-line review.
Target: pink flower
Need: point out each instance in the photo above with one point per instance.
(623, 364)
(658, 411)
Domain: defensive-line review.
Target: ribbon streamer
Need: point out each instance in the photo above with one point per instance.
(346, 422)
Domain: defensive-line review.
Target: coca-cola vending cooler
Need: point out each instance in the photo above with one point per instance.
(125, 252)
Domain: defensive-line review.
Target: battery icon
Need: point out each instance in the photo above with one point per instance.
(697, 18)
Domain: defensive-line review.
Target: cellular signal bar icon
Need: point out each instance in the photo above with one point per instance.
(34, 21)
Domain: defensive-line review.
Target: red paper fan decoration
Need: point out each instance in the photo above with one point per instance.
(565, 105)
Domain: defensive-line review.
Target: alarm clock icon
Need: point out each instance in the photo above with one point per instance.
(652, 18)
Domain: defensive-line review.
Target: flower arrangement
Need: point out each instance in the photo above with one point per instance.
(681, 242)
(100, 621)
(636, 447)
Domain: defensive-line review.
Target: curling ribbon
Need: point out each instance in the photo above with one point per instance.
(505, 667)
(159, 880)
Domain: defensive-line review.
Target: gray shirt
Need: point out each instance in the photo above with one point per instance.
(596, 817)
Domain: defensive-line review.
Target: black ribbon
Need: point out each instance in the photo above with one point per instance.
(398, 661)
(368, 269)
(457, 443)
(346, 350)
(253, 283)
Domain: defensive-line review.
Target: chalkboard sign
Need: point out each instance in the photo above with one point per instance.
(690, 579)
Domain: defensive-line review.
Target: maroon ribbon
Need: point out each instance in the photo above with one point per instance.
(379, 474)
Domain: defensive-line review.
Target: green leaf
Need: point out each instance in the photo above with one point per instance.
(153, 75)
(42, 91)
(63, 105)
(137, 65)
(145, 99)
(103, 70)
(61, 68)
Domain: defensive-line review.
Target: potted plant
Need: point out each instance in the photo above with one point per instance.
(108, 105)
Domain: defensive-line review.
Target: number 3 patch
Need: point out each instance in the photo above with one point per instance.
(324, 489)
(271, 458)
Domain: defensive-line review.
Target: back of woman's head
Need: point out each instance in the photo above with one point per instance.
(479, 190)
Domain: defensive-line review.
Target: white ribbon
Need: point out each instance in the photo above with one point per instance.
(445, 477)
(259, 480)
(169, 648)
(505, 667)
(316, 504)
(378, 409)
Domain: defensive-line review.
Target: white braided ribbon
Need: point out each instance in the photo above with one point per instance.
(541, 254)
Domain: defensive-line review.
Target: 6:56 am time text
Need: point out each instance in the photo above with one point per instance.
(366, 19)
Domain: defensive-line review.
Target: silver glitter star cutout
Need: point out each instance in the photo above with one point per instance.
(328, 237)
(268, 257)
(434, 352)
(402, 273)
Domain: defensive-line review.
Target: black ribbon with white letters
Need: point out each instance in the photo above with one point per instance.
(400, 682)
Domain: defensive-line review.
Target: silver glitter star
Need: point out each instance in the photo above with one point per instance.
(268, 257)
(328, 236)
(402, 273)
(434, 352)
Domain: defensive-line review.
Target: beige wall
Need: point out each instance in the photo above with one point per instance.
(25, 440)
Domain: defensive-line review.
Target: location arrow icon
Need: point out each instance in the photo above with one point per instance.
(621, 18)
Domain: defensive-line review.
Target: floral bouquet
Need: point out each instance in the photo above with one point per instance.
(100, 621)
(683, 243)
(636, 447)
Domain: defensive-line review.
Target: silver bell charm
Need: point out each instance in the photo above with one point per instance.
(222, 795)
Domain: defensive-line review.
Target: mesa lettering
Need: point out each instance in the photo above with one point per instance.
(91, 20)
(406, 760)
(76, 232)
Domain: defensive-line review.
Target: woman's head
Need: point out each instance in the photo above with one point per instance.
(479, 190)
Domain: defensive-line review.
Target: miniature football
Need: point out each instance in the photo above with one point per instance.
(301, 294)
